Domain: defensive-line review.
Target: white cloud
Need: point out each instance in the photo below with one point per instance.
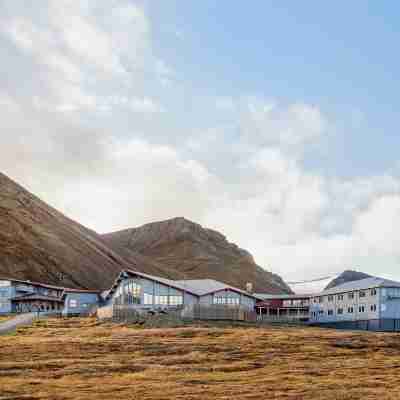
(92, 136)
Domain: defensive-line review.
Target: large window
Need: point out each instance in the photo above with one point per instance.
(362, 293)
(373, 292)
(128, 292)
(175, 300)
(330, 298)
(132, 289)
(233, 301)
(350, 295)
(161, 300)
(148, 299)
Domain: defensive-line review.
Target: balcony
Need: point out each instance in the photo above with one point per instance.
(25, 288)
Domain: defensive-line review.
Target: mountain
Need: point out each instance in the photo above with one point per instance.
(40, 244)
(347, 276)
(188, 251)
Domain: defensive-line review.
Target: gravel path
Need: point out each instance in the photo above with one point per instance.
(12, 324)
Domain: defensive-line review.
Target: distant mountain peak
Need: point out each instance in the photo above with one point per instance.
(347, 276)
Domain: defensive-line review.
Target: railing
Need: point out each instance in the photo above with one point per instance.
(219, 312)
(283, 318)
(24, 288)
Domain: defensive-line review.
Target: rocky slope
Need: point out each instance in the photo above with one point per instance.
(188, 251)
(39, 243)
(347, 276)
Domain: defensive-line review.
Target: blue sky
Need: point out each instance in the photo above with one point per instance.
(341, 56)
(273, 122)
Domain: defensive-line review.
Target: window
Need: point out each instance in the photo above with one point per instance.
(148, 299)
(161, 300)
(330, 298)
(340, 311)
(350, 310)
(373, 307)
(373, 292)
(330, 312)
(362, 293)
(175, 300)
(361, 309)
(233, 301)
(132, 289)
(321, 312)
(73, 303)
(340, 297)
(350, 295)
(320, 299)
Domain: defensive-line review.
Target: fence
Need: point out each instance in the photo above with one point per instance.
(219, 312)
(377, 325)
(131, 314)
(300, 319)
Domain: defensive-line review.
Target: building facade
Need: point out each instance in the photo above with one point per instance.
(371, 303)
(18, 296)
(283, 308)
(148, 292)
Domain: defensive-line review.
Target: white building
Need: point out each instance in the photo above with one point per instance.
(371, 303)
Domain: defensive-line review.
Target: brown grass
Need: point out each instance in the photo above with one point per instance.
(82, 359)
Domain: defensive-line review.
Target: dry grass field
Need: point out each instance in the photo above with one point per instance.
(82, 359)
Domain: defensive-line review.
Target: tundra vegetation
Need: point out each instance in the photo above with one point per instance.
(84, 359)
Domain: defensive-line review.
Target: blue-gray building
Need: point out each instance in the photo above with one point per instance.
(371, 303)
(148, 292)
(19, 296)
(80, 302)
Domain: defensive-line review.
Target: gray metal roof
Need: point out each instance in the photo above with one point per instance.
(165, 281)
(267, 296)
(367, 283)
(206, 286)
(198, 287)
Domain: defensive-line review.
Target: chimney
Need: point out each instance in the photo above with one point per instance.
(249, 287)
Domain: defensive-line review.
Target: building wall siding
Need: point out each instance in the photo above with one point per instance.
(7, 291)
(79, 303)
(390, 303)
(319, 311)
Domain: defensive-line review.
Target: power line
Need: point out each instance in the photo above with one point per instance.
(313, 280)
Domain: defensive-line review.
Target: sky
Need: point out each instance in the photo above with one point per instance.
(275, 123)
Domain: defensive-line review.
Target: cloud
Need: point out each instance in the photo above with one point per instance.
(92, 123)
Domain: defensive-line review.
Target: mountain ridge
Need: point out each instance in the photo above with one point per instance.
(39, 243)
(195, 252)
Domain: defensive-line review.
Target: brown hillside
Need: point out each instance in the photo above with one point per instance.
(39, 243)
(189, 251)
